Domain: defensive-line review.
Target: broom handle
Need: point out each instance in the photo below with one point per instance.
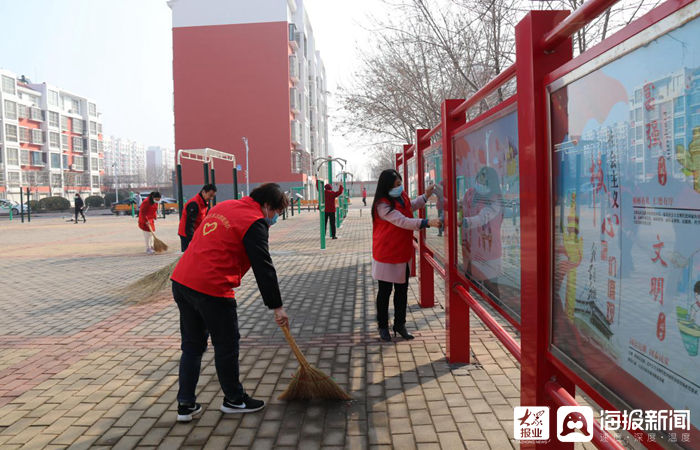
(295, 348)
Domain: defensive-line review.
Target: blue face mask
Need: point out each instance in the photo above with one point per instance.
(481, 189)
(273, 220)
(270, 220)
(396, 192)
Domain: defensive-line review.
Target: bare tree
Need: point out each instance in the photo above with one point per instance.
(427, 51)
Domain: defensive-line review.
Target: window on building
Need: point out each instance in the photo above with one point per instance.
(1, 154)
(53, 98)
(92, 109)
(65, 162)
(95, 181)
(93, 163)
(8, 84)
(37, 114)
(24, 135)
(13, 178)
(23, 111)
(93, 127)
(55, 161)
(77, 144)
(64, 142)
(55, 179)
(101, 164)
(77, 126)
(13, 156)
(24, 157)
(10, 132)
(75, 106)
(93, 146)
(78, 163)
(54, 119)
(100, 146)
(37, 136)
(64, 123)
(10, 109)
(99, 128)
(37, 158)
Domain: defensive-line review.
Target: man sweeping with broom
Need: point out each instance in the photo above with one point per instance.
(231, 239)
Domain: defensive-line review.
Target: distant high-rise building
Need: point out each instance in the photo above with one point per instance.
(249, 69)
(160, 163)
(125, 162)
(50, 140)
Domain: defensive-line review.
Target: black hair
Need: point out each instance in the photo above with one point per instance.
(386, 182)
(489, 178)
(154, 194)
(271, 194)
(697, 287)
(209, 187)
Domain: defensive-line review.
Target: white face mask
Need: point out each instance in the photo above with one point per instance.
(481, 189)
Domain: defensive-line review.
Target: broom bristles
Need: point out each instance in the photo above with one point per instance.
(310, 382)
(158, 245)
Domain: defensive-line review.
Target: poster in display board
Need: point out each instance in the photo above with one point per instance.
(488, 207)
(434, 209)
(625, 142)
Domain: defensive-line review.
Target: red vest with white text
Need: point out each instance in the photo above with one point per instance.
(391, 244)
(216, 260)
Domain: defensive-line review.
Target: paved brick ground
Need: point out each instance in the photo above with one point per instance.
(82, 367)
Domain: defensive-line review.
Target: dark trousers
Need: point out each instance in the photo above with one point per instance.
(331, 216)
(184, 243)
(400, 301)
(79, 211)
(199, 313)
(364, 200)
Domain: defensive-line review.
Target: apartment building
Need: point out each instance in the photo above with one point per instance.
(125, 163)
(160, 163)
(50, 140)
(249, 69)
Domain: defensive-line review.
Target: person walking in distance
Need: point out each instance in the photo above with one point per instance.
(79, 205)
(194, 211)
(330, 196)
(364, 195)
(148, 213)
(232, 238)
(392, 247)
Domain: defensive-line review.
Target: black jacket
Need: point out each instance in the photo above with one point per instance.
(78, 203)
(256, 246)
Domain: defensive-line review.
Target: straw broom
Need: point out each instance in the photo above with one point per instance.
(309, 382)
(158, 245)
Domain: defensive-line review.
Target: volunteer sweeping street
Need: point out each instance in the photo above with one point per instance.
(392, 247)
(148, 212)
(232, 238)
(194, 211)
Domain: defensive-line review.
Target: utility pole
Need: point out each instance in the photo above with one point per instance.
(247, 170)
(116, 182)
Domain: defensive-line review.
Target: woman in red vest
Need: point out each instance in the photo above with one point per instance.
(231, 239)
(193, 213)
(147, 216)
(392, 247)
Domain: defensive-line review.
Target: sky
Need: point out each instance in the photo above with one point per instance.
(119, 53)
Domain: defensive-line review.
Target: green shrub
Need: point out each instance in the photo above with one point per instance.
(54, 204)
(94, 201)
(34, 205)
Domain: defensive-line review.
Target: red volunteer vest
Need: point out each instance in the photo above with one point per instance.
(202, 212)
(147, 215)
(216, 260)
(391, 244)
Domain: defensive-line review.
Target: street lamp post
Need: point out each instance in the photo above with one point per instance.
(247, 170)
(116, 181)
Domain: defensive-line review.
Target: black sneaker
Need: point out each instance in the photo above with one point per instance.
(185, 411)
(245, 405)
